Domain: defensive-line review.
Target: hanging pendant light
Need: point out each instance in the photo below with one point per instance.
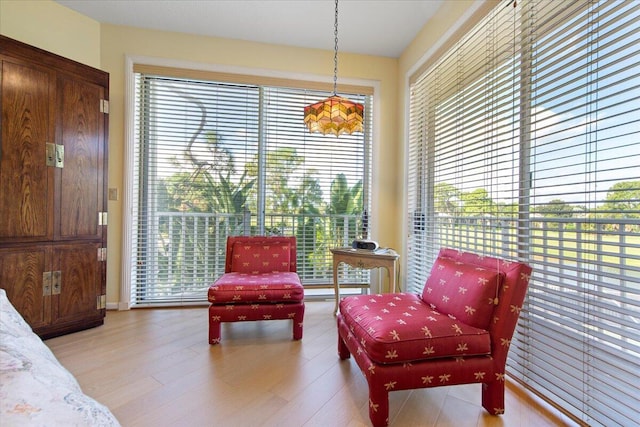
(336, 115)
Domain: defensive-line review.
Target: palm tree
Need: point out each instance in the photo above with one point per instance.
(344, 202)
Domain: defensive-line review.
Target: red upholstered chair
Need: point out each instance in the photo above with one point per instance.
(457, 332)
(260, 283)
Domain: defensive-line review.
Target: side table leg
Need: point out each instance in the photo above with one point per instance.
(393, 277)
(336, 286)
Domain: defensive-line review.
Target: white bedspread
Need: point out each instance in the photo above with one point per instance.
(35, 389)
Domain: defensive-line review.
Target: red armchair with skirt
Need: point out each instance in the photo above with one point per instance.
(457, 332)
(260, 283)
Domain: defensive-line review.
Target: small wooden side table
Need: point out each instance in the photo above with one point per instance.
(361, 258)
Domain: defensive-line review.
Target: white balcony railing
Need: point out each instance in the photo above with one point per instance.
(183, 253)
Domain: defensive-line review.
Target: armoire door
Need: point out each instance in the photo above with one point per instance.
(80, 271)
(24, 274)
(26, 182)
(81, 131)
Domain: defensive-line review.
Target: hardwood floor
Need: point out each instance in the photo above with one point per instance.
(154, 367)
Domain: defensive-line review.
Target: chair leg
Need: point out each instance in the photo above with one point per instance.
(378, 406)
(343, 350)
(297, 324)
(493, 397)
(214, 332)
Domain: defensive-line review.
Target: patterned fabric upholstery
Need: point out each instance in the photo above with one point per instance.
(404, 341)
(260, 283)
(396, 328)
(249, 242)
(256, 288)
(260, 257)
(465, 291)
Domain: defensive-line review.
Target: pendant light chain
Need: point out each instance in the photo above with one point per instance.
(336, 115)
(335, 54)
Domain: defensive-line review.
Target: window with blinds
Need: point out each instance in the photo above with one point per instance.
(525, 144)
(216, 157)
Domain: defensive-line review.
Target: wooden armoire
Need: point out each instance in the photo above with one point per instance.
(53, 178)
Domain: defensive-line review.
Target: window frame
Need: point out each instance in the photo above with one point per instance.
(234, 74)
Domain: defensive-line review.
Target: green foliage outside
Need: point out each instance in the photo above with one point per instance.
(608, 229)
(294, 198)
(209, 186)
(606, 247)
(556, 208)
(622, 202)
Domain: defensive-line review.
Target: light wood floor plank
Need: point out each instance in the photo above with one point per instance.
(154, 367)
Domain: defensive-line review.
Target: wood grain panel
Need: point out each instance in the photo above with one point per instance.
(81, 131)
(21, 276)
(80, 270)
(24, 176)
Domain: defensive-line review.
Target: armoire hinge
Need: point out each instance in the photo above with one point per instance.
(102, 254)
(104, 106)
(101, 302)
(102, 218)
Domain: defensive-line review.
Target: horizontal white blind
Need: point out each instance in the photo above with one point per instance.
(464, 172)
(193, 140)
(525, 143)
(316, 186)
(216, 158)
(583, 316)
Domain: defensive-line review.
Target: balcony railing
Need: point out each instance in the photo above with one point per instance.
(184, 252)
(582, 244)
(571, 257)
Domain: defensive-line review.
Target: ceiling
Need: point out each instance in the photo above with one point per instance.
(372, 27)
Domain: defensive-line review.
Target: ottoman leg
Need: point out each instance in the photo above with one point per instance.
(343, 350)
(378, 406)
(214, 328)
(297, 323)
